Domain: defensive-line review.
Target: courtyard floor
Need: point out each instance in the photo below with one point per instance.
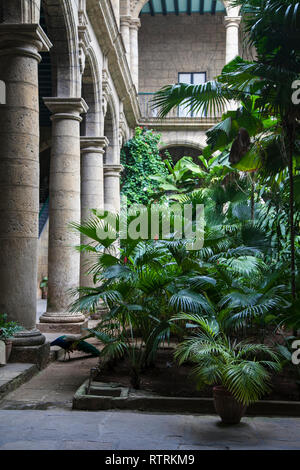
(39, 416)
(60, 429)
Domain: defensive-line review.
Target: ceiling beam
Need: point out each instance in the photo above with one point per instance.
(201, 7)
(213, 7)
(176, 6)
(189, 7)
(164, 7)
(151, 8)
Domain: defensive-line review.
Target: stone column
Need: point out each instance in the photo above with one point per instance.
(125, 32)
(19, 178)
(112, 186)
(92, 191)
(134, 51)
(232, 37)
(64, 260)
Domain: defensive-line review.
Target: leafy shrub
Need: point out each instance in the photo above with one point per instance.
(141, 159)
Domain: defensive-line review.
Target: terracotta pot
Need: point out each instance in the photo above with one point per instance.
(8, 348)
(227, 407)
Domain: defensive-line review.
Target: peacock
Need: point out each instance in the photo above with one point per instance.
(72, 343)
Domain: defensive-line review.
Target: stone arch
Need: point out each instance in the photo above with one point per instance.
(90, 125)
(62, 31)
(116, 8)
(195, 142)
(176, 145)
(178, 151)
(111, 155)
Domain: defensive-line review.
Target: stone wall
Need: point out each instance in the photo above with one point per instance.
(171, 44)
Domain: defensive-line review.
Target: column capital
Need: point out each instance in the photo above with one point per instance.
(113, 169)
(135, 23)
(125, 20)
(23, 39)
(66, 108)
(93, 144)
(230, 21)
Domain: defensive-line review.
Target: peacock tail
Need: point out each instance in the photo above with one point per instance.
(71, 343)
(88, 348)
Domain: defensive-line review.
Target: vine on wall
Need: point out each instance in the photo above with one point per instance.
(141, 159)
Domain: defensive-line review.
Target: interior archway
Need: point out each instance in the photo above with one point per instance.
(62, 32)
(179, 151)
(111, 152)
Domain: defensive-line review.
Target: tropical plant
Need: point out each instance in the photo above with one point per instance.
(143, 282)
(8, 328)
(244, 369)
(264, 89)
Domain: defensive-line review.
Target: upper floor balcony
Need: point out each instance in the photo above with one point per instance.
(149, 112)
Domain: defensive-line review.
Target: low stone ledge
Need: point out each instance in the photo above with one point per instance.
(12, 375)
(145, 401)
(38, 355)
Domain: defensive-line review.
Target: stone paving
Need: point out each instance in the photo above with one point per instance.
(39, 416)
(42, 418)
(58, 429)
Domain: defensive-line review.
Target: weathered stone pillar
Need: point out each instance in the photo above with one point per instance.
(125, 32)
(134, 51)
(64, 260)
(19, 177)
(92, 190)
(112, 186)
(232, 37)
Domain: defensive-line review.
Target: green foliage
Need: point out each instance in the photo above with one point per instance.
(143, 283)
(141, 159)
(262, 90)
(8, 328)
(44, 282)
(221, 361)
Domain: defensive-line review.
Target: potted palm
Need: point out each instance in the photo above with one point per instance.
(7, 331)
(239, 371)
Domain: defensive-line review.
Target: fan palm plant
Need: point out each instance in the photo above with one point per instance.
(243, 370)
(273, 29)
(144, 282)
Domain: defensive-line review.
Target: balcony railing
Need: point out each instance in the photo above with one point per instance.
(147, 110)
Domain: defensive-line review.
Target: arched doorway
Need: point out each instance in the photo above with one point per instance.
(179, 151)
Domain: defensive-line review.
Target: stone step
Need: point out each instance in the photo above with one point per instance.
(14, 374)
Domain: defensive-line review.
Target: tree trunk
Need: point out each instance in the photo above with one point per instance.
(252, 197)
(290, 135)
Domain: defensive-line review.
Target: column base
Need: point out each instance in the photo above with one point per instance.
(38, 355)
(52, 322)
(62, 317)
(75, 328)
(28, 338)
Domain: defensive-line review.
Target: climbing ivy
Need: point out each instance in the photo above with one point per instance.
(141, 159)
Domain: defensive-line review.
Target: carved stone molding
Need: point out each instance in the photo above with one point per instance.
(83, 35)
(95, 144)
(135, 23)
(230, 21)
